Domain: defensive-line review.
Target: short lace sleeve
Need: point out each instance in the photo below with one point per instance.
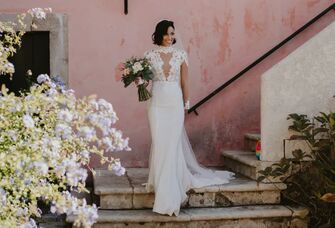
(184, 57)
(147, 54)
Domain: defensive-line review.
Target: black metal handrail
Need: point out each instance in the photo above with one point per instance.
(260, 59)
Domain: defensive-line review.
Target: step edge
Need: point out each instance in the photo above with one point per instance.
(252, 136)
(263, 187)
(252, 212)
(238, 156)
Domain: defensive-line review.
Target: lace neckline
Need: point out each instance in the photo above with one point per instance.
(164, 49)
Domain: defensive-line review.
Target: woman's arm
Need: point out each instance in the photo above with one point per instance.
(184, 84)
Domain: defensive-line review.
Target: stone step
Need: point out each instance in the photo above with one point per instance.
(245, 163)
(250, 141)
(127, 192)
(273, 216)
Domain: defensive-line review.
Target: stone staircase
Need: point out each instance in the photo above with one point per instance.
(127, 192)
(245, 162)
(124, 202)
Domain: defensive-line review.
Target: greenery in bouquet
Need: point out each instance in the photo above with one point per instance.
(135, 68)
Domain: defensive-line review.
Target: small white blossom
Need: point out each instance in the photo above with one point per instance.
(85, 154)
(43, 78)
(16, 107)
(74, 176)
(65, 115)
(118, 169)
(38, 13)
(88, 133)
(22, 212)
(3, 197)
(42, 166)
(90, 213)
(28, 121)
(105, 105)
(51, 148)
(12, 134)
(107, 142)
(51, 92)
(64, 131)
(30, 224)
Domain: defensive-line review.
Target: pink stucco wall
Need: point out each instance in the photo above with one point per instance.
(221, 37)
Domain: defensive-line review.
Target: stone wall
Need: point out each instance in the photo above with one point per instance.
(304, 83)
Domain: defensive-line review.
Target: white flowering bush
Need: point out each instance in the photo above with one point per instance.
(47, 137)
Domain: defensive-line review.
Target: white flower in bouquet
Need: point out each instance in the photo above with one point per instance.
(137, 67)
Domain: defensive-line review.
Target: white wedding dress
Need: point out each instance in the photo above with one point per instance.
(173, 168)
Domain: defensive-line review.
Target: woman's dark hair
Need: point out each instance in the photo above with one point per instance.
(161, 30)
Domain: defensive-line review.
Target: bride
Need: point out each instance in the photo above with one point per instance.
(173, 168)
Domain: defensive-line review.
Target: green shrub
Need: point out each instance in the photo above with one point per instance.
(310, 177)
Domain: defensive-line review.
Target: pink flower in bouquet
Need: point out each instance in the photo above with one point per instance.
(126, 72)
(119, 71)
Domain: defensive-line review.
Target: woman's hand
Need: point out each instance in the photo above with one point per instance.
(140, 81)
(137, 80)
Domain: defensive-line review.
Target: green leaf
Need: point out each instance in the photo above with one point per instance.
(298, 137)
(297, 154)
(260, 178)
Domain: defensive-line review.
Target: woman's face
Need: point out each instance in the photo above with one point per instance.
(169, 37)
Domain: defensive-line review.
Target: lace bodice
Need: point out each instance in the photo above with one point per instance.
(178, 56)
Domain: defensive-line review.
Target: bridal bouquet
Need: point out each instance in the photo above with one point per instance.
(137, 69)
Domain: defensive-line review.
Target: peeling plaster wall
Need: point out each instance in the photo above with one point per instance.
(221, 37)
